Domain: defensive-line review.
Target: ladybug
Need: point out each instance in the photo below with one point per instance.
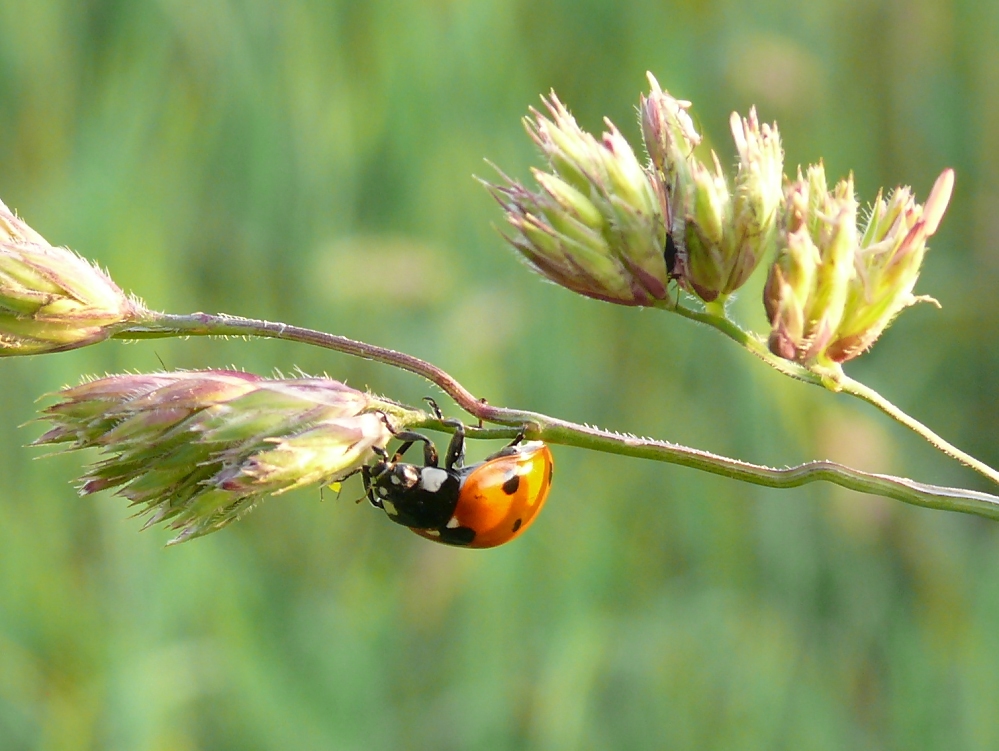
(480, 506)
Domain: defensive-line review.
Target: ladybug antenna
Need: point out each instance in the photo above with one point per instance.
(391, 428)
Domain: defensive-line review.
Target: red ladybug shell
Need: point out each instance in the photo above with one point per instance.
(500, 497)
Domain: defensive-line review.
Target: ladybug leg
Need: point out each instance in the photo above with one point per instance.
(347, 476)
(408, 438)
(518, 438)
(401, 451)
(434, 408)
(455, 456)
(369, 491)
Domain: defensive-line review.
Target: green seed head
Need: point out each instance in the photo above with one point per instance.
(757, 199)
(51, 299)
(808, 280)
(887, 266)
(720, 234)
(833, 289)
(200, 449)
(595, 226)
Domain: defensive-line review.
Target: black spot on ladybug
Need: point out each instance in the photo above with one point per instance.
(516, 524)
(551, 473)
(457, 535)
(511, 485)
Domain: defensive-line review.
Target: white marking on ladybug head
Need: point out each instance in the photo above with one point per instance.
(453, 522)
(395, 479)
(432, 478)
(433, 532)
(389, 508)
(410, 475)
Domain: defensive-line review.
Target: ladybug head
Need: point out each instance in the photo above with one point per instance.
(418, 497)
(386, 478)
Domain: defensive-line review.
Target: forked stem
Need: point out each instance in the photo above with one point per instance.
(556, 431)
(835, 382)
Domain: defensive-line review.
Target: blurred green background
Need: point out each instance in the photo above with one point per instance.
(311, 162)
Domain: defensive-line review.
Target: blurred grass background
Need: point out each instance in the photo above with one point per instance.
(311, 162)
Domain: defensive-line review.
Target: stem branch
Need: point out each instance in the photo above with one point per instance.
(556, 431)
(836, 382)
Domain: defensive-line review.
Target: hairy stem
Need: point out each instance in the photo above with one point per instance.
(836, 382)
(553, 430)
